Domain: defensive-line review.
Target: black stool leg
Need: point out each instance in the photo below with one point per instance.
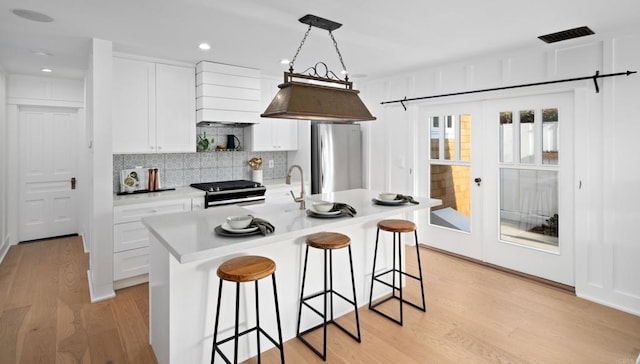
(275, 297)
(373, 270)
(400, 275)
(258, 323)
(353, 286)
(324, 317)
(235, 337)
(424, 304)
(215, 328)
(304, 279)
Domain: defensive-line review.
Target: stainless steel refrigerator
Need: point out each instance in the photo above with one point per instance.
(336, 157)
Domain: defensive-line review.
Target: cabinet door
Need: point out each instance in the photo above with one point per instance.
(261, 136)
(175, 109)
(133, 110)
(285, 134)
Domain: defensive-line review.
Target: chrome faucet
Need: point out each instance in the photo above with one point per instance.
(301, 198)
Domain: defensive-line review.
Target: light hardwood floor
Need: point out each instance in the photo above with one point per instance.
(475, 314)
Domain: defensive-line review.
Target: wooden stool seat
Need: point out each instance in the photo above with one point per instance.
(397, 226)
(246, 268)
(328, 240)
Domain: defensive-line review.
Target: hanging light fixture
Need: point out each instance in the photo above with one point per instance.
(317, 93)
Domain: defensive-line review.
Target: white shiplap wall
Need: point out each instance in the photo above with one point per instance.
(607, 246)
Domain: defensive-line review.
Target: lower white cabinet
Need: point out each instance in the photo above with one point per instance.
(131, 239)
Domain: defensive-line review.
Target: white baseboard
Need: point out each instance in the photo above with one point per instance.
(609, 304)
(98, 294)
(133, 281)
(84, 243)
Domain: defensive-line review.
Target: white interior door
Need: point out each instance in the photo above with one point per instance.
(449, 161)
(48, 162)
(529, 185)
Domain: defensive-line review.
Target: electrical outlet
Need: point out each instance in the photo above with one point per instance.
(270, 163)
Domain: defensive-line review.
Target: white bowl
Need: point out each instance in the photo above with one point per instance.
(322, 206)
(387, 196)
(239, 222)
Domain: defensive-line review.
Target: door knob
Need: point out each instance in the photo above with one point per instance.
(73, 183)
(477, 180)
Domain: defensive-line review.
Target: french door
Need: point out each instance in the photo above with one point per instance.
(449, 168)
(529, 185)
(503, 169)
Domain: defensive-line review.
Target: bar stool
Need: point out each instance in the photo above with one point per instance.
(240, 270)
(327, 241)
(397, 227)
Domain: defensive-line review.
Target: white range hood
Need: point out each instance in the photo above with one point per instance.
(227, 94)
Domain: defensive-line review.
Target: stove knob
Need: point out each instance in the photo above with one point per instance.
(217, 189)
(255, 185)
(210, 189)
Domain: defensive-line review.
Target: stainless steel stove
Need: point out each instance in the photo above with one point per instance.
(241, 192)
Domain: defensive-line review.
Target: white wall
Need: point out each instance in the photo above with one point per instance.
(101, 166)
(4, 212)
(607, 252)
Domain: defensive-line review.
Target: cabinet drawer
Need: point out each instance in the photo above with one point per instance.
(130, 235)
(130, 263)
(136, 212)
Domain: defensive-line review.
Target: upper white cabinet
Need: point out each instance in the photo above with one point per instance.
(271, 134)
(153, 107)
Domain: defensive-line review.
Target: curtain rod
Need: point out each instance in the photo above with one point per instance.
(594, 78)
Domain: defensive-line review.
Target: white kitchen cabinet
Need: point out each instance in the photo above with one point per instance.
(153, 107)
(131, 238)
(271, 134)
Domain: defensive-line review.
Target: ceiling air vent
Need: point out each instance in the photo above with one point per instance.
(566, 34)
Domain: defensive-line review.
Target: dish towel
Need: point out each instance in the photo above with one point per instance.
(264, 226)
(344, 208)
(407, 198)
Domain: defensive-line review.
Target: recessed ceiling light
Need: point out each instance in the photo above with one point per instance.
(204, 46)
(46, 70)
(284, 61)
(32, 15)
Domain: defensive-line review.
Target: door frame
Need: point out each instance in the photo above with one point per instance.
(18, 168)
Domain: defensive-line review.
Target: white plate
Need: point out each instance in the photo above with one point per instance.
(228, 228)
(389, 202)
(328, 213)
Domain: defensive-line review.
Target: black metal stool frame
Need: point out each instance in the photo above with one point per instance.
(324, 293)
(393, 271)
(257, 328)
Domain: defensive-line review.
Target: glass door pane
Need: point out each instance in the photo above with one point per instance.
(529, 207)
(528, 187)
(451, 170)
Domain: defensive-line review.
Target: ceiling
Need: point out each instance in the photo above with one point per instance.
(378, 37)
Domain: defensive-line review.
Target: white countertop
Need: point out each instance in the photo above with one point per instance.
(180, 192)
(190, 236)
(190, 192)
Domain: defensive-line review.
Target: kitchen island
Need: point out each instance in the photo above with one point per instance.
(186, 252)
